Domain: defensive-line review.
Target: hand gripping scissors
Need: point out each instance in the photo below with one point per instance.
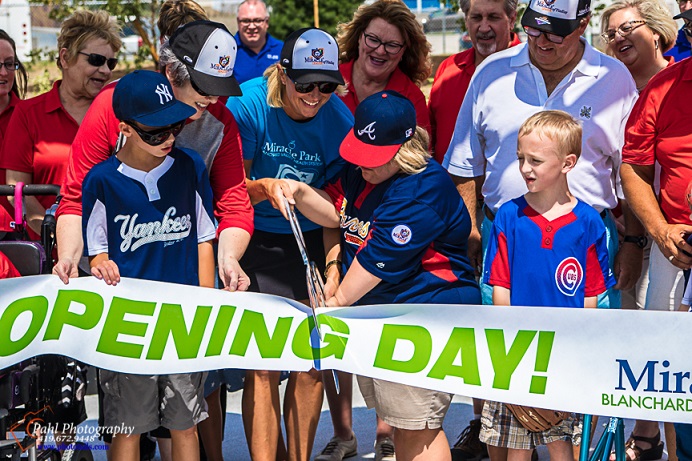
(312, 276)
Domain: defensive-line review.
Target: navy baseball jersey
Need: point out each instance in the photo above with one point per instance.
(149, 223)
(410, 231)
(548, 263)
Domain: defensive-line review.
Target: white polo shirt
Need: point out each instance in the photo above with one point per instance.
(507, 89)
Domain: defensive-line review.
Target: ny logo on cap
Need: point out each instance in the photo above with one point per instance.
(369, 130)
(164, 95)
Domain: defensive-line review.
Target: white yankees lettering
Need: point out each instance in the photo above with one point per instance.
(135, 235)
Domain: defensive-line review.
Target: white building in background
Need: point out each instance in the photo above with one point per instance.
(15, 19)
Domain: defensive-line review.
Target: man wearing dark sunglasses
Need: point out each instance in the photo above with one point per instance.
(198, 60)
(557, 69)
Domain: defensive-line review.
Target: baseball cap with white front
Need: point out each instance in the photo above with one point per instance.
(208, 50)
(311, 55)
(559, 17)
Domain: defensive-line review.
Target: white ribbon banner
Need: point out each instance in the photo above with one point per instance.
(631, 364)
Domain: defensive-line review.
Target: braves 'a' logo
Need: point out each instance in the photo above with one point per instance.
(369, 130)
(568, 276)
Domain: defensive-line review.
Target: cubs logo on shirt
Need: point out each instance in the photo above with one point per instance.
(568, 276)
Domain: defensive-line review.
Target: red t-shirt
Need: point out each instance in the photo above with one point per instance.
(447, 93)
(6, 210)
(7, 269)
(398, 82)
(97, 137)
(658, 131)
(38, 140)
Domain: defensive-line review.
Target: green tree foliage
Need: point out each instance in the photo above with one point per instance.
(290, 15)
(140, 15)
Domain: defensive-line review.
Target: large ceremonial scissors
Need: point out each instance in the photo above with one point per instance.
(312, 276)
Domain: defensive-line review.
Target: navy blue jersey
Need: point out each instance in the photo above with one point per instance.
(410, 231)
(566, 257)
(149, 223)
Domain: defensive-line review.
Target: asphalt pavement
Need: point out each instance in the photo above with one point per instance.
(235, 447)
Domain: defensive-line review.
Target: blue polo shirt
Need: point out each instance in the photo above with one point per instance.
(681, 49)
(249, 64)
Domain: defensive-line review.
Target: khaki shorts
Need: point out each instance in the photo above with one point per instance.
(145, 402)
(405, 407)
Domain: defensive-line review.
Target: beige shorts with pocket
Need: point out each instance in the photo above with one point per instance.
(405, 407)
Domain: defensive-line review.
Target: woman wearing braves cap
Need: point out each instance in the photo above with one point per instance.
(198, 60)
(416, 228)
(291, 124)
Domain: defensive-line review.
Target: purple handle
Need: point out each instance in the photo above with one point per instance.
(18, 204)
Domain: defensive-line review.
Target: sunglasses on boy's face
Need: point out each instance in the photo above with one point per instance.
(159, 135)
(97, 60)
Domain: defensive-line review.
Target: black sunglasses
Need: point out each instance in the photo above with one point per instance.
(97, 60)
(200, 92)
(304, 88)
(158, 136)
(553, 38)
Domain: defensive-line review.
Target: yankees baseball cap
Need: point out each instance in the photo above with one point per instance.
(559, 17)
(146, 97)
(208, 50)
(384, 121)
(311, 55)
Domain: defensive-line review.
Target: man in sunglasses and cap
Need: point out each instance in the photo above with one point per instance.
(198, 61)
(556, 69)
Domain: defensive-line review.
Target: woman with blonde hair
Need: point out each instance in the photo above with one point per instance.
(291, 124)
(413, 217)
(637, 33)
(384, 48)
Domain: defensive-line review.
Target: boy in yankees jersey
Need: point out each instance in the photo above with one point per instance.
(546, 238)
(148, 214)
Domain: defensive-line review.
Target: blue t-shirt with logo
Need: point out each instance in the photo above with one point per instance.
(249, 65)
(280, 147)
(411, 231)
(149, 223)
(566, 257)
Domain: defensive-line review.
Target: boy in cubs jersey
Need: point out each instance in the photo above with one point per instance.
(148, 214)
(547, 248)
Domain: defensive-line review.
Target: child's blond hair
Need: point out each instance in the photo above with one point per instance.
(559, 126)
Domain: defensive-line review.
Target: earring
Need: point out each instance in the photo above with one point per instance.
(656, 42)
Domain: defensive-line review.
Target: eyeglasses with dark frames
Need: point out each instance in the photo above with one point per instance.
(623, 30)
(97, 60)
(323, 87)
(10, 66)
(374, 42)
(254, 21)
(158, 136)
(535, 33)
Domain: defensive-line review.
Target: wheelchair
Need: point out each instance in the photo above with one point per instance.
(28, 389)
